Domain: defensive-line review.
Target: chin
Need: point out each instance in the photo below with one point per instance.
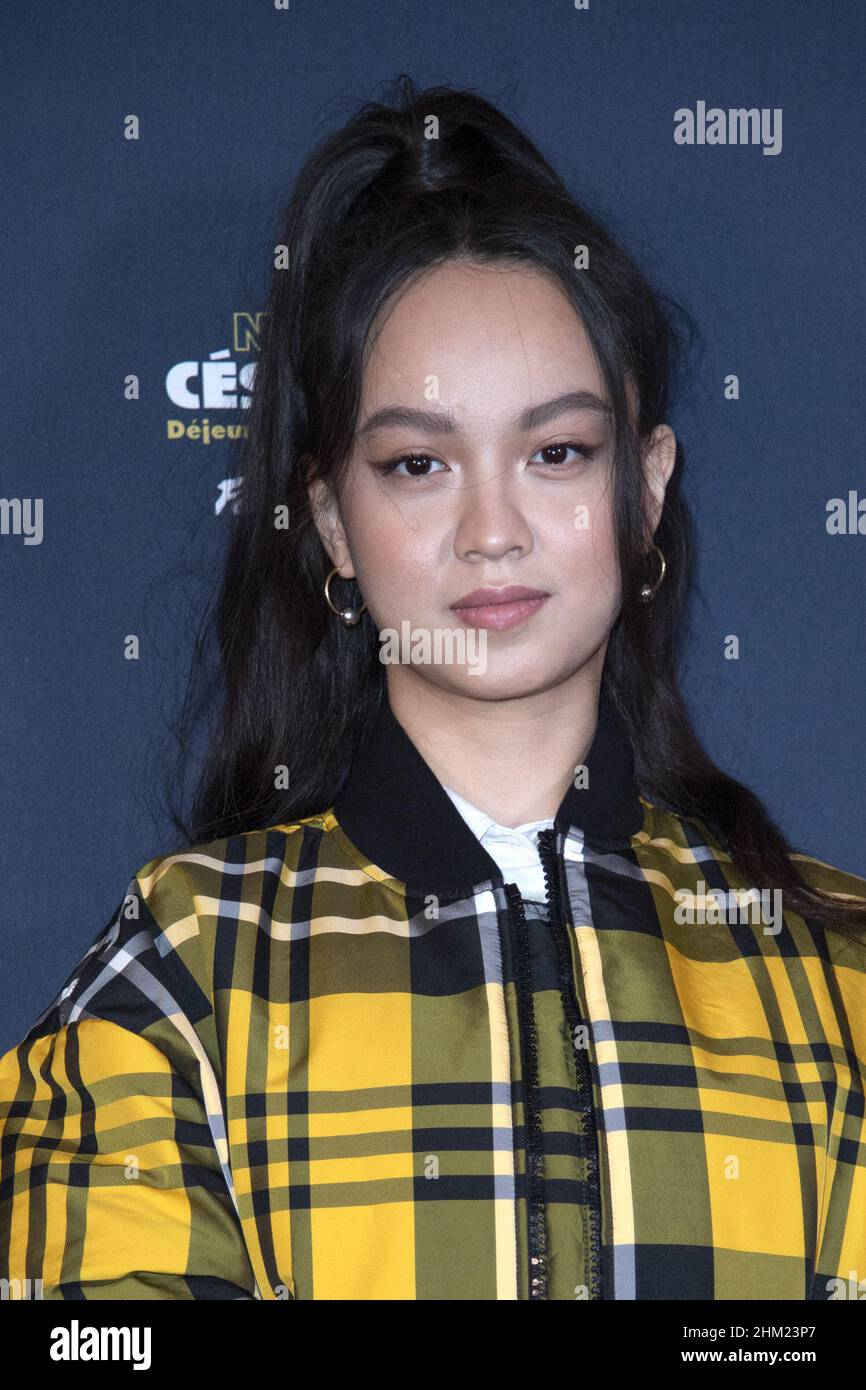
(494, 684)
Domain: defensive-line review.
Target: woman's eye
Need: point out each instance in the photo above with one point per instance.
(417, 466)
(555, 454)
(424, 465)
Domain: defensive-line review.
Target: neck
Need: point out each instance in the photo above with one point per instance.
(513, 759)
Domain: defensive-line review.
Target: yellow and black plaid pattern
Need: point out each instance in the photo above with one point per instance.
(276, 1075)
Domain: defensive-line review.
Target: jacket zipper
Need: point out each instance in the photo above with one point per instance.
(534, 1145)
(551, 865)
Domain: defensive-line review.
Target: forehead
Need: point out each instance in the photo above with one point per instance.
(464, 334)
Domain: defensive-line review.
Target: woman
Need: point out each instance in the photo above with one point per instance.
(449, 991)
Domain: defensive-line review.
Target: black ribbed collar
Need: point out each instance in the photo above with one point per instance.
(397, 813)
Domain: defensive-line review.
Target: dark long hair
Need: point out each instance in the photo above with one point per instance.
(404, 186)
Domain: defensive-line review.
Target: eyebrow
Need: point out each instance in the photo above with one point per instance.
(436, 422)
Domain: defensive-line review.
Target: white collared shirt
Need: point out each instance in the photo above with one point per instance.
(515, 850)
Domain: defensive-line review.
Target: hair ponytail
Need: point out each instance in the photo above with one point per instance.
(400, 188)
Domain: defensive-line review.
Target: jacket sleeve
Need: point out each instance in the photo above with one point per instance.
(114, 1177)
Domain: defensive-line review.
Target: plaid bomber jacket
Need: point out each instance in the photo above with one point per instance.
(342, 1059)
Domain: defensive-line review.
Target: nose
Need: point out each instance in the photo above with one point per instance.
(491, 522)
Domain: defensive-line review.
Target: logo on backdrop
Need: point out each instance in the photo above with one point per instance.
(211, 391)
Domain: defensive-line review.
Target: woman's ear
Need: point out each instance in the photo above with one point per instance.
(329, 524)
(658, 463)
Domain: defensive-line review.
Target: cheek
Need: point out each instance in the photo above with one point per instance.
(393, 546)
(584, 549)
(395, 551)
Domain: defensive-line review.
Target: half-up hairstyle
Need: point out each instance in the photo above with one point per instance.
(404, 186)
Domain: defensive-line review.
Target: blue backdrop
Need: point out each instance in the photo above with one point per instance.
(145, 258)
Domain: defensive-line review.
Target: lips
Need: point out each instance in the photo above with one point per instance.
(499, 608)
(486, 598)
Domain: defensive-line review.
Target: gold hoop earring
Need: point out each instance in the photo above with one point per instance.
(648, 593)
(349, 617)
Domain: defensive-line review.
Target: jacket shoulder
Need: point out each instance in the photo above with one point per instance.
(154, 958)
(830, 878)
(847, 946)
(673, 830)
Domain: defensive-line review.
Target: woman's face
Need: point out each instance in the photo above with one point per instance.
(483, 460)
